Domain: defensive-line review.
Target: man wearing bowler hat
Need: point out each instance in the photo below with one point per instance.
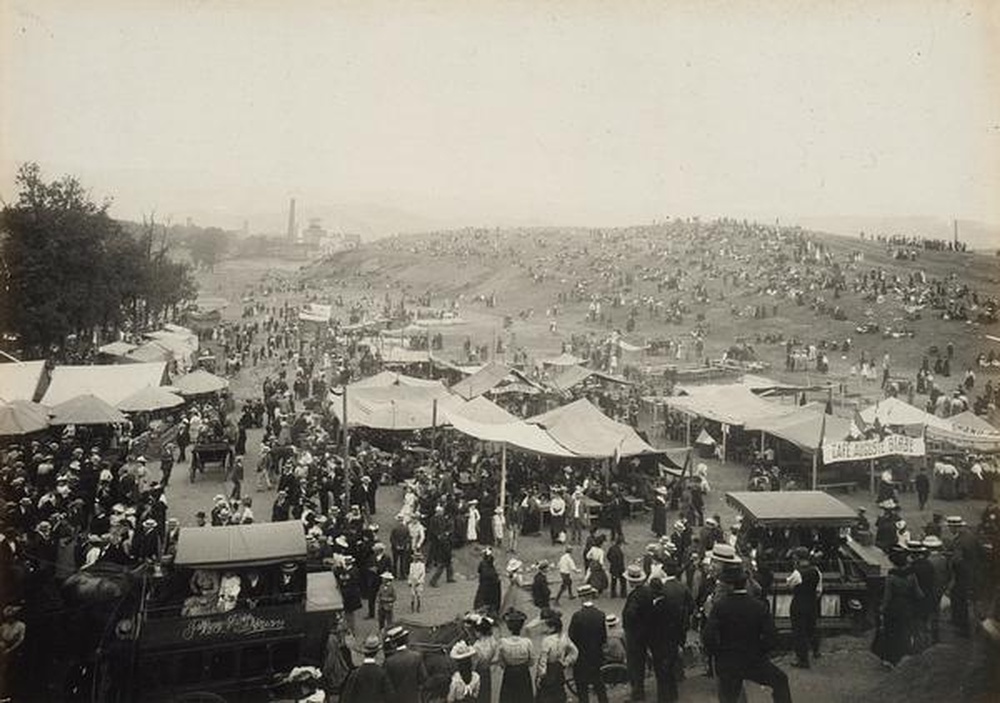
(588, 631)
(404, 666)
(369, 683)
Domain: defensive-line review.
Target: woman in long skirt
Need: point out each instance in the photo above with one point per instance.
(597, 575)
(486, 656)
(517, 657)
(900, 608)
(557, 653)
(488, 591)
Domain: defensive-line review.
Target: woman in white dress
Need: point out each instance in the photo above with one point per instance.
(472, 524)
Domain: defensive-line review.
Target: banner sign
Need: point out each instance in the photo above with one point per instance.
(892, 445)
(236, 625)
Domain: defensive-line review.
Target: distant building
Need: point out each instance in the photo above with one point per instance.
(292, 233)
(314, 234)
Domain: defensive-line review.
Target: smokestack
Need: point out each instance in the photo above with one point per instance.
(954, 226)
(291, 220)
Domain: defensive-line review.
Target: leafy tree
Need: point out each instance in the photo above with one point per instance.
(207, 247)
(68, 269)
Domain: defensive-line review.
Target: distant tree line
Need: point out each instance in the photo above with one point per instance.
(70, 273)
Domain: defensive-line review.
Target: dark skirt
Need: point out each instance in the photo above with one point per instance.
(598, 578)
(485, 684)
(552, 686)
(516, 685)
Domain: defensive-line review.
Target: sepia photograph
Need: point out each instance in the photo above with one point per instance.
(423, 351)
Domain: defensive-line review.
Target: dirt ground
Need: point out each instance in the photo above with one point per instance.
(846, 672)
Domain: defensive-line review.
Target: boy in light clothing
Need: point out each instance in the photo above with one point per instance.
(567, 567)
(418, 572)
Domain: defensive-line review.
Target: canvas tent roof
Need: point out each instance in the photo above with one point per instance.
(564, 359)
(731, 404)
(798, 508)
(199, 382)
(395, 407)
(968, 431)
(575, 375)
(21, 417)
(241, 545)
(893, 412)
(392, 378)
(705, 438)
(19, 380)
(86, 410)
(517, 434)
(149, 399)
(970, 422)
(587, 432)
(485, 411)
(116, 348)
(112, 384)
(489, 378)
(803, 428)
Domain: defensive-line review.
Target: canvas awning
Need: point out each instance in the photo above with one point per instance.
(86, 410)
(149, 399)
(20, 380)
(730, 404)
(399, 355)
(967, 431)
(587, 432)
(116, 348)
(199, 382)
(803, 428)
(792, 508)
(491, 377)
(893, 412)
(112, 384)
(392, 378)
(21, 417)
(521, 435)
(394, 407)
(233, 546)
(575, 375)
(485, 411)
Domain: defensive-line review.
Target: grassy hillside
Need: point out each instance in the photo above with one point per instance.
(714, 272)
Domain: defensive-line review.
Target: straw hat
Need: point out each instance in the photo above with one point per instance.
(955, 521)
(635, 574)
(933, 542)
(371, 645)
(725, 553)
(461, 651)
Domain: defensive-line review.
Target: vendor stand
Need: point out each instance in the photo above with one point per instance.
(235, 609)
(775, 522)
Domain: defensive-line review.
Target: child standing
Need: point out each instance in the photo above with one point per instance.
(418, 572)
(386, 600)
(498, 525)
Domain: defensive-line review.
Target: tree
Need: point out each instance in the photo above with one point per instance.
(69, 269)
(207, 247)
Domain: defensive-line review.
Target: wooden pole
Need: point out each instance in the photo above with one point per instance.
(503, 476)
(688, 435)
(347, 457)
(724, 434)
(434, 424)
(815, 470)
(871, 471)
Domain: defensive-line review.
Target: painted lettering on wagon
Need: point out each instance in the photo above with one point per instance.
(232, 624)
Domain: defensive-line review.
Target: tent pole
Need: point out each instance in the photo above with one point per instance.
(724, 433)
(871, 471)
(347, 457)
(688, 436)
(503, 476)
(762, 442)
(815, 468)
(434, 424)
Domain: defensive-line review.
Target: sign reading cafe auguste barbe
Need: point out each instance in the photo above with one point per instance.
(892, 445)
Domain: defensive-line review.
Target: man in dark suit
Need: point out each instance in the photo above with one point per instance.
(739, 634)
(636, 620)
(588, 631)
(805, 582)
(369, 683)
(405, 667)
(672, 607)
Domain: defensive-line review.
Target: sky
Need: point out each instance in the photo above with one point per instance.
(476, 113)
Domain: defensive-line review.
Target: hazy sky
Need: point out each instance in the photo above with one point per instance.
(548, 113)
